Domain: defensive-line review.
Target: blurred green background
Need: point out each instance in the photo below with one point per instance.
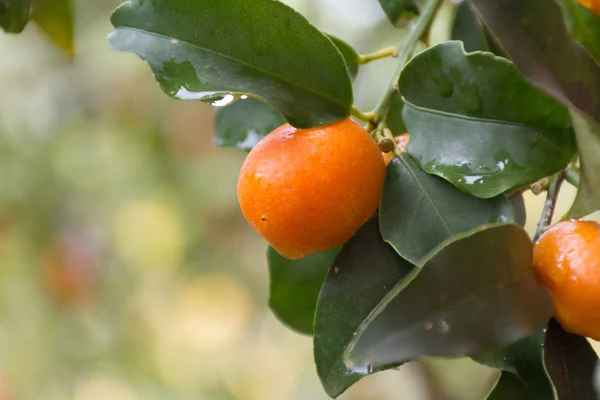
(126, 269)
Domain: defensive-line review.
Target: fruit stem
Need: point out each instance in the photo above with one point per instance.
(378, 55)
(365, 117)
(405, 50)
(550, 204)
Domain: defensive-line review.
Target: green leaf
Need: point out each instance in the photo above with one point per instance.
(523, 374)
(351, 56)
(362, 274)
(588, 141)
(14, 15)
(469, 29)
(244, 123)
(295, 286)
(518, 203)
(55, 17)
(419, 211)
(475, 294)
(583, 25)
(570, 361)
(476, 122)
(394, 9)
(277, 55)
(395, 120)
(534, 35)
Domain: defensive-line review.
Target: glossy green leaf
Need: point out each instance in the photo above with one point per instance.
(394, 9)
(55, 17)
(523, 374)
(244, 123)
(475, 294)
(534, 35)
(351, 56)
(14, 15)
(295, 286)
(395, 121)
(570, 361)
(469, 29)
(518, 203)
(583, 25)
(277, 55)
(588, 141)
(365, 270)
(419, 211)
(475, 121)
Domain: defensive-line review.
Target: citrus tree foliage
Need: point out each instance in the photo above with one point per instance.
(444, 269)
(511, 99)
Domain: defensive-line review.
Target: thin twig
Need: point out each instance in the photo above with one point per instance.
(550, 204)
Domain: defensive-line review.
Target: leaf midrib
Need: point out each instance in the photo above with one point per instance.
(266, 72)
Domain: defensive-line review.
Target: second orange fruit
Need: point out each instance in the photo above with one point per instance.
(592, 5)
(566, 260)
(309, 190)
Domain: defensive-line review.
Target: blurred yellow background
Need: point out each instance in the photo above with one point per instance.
(126, 269)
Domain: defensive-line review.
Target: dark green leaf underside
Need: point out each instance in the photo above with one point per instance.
(443, 309)
(14, 15)
(535, 37)
(364, 271)
(419, 211)
(277, 55)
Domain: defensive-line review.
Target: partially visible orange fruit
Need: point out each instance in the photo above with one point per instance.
(566, 260)
(592, 5)
(309, 190)
(401, 142)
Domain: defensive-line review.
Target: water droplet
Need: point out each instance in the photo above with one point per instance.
(501, 165)
(470, 180)
(369, 368)
(243, 97)
(443, 326)
(174, 41)
(428, 325)
(336, 270)
(226, 100)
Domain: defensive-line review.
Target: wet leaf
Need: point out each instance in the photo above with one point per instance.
(244, 123)
(55, 17)
(419, 211)
(295, 286)
(570, 361)
(277, 55)
(394, 9)
(523, 374)
(475, 121)
(364, 271)
(14, 15)
(475, 294)
(588, 141)
(534, 35)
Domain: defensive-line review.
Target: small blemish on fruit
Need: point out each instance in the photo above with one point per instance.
(263, 218)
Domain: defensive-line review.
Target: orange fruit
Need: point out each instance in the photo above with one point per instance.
(566, 261)
(309, 190)
(592, 5)
(401, 142)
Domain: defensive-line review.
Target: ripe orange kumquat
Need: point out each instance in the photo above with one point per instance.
(592, 5)
(309, 190)
(566, 261)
